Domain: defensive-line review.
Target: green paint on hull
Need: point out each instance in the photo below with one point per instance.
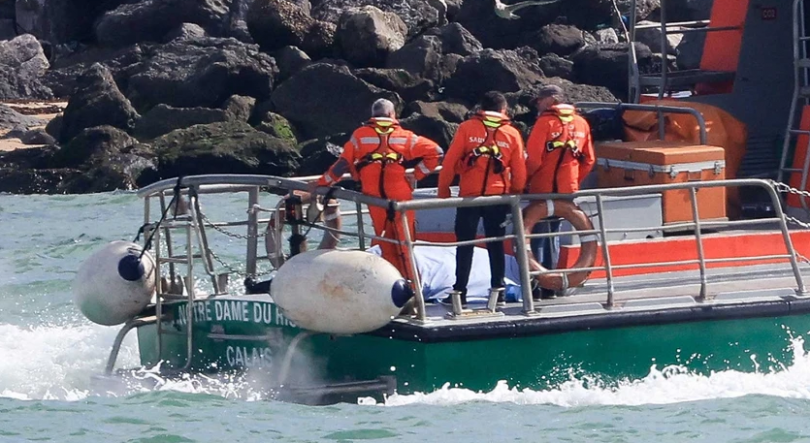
(536, 362)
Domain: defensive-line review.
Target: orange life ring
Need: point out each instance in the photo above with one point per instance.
(566, 209)
(330, 217)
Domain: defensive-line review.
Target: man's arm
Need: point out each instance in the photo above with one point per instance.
(451, 158)
(517, 165)
(536, 146)
(588, 155)
(343, 164)
(429, 151)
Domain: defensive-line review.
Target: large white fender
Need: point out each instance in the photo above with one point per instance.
(339, 292)
(113, 285)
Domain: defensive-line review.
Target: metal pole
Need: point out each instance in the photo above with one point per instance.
(159, 290)
(699, 238)
(417, 283)
(128, 326)
(800, 288)
(202, 239)
(521, 256)
(169, 248)
(634, 81)
(360, 228)
(605, 252)
(664, 59)
(252, 233)
(190, 292)
(662, 132)
(796, 90)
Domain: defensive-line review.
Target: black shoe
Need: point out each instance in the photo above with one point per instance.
(547, 294)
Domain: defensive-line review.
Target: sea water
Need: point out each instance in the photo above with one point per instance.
(48, 353)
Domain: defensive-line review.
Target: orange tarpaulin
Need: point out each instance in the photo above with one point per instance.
(722, 130)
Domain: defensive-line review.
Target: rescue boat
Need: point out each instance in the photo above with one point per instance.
(687, 247)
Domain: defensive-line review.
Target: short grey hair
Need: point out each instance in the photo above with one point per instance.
(383, 108)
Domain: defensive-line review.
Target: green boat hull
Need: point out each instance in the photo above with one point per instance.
(231, 335)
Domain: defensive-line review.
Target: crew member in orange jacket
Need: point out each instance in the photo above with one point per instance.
(487, 154)
(560, 156)
(375, 155)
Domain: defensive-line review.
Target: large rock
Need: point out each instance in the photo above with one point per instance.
(186, 31)
(422, 57)
(163, 119)
(200, 72)
(96, 102)
(37, 137)
(274, 24)
(367, 35)
(110, 173)
(555, 66)
(607, 66)
(93, 144)
(227, 147)
(644, 8)
(326, 99)
(606, 36)
(555, 38)
(418, 15)
(22, 64)
(456, 39)
(453, 112)
(10, 118)
(408, 87)
(277, 126)
(239, 108)
(652, 38)
(574, 92)
(60, 21)
(436, 129)
(494, 70)
(151, 20)
(290, 60)
(320, 153)
(66, 70)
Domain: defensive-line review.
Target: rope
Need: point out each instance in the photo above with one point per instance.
(175, 195)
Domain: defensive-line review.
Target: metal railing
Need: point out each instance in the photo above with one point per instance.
(659, 110)
(254, 182)
(665, 29)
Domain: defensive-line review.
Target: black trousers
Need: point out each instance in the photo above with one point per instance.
(466, 227)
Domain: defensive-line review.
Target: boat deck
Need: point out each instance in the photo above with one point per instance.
(731, 293)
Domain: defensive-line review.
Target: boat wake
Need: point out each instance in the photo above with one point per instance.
(671, 384)
(58, 362)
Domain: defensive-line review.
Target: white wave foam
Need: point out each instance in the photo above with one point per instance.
(56, 362)
(672, 384)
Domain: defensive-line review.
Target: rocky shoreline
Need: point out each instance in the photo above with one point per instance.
(133, 91)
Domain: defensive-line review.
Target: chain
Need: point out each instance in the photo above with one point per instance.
(222, 231)
(782, 187)
(225, 265)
